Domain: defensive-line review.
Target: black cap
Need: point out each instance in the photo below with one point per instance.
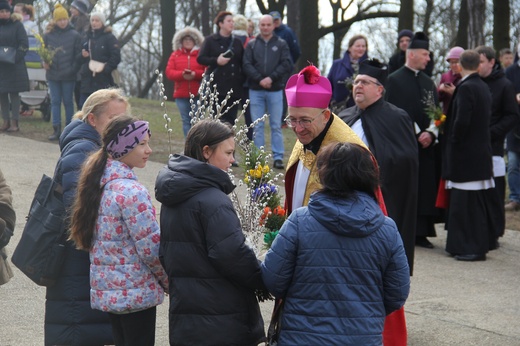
(374, 68)
(419, 41)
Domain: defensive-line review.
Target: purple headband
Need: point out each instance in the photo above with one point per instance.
(128, 138)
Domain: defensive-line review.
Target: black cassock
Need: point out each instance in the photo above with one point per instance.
(391, 139)
(407, 90)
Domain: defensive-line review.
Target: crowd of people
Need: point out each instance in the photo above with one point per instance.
(81, 54)
(382, 155)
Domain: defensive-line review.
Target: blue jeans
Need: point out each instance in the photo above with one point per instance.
(513, 175)
(184, 106)
(61, 91)
(260, 100)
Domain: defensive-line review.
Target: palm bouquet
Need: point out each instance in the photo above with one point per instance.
(257, 196)
(45, 53)
(433, 111)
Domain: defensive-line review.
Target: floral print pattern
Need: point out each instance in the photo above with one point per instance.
(125, 272)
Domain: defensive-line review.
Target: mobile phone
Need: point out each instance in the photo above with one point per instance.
(228, 53)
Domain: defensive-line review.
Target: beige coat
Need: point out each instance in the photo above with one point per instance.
(8, 215)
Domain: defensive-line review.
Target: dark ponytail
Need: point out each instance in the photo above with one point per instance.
(89, 190)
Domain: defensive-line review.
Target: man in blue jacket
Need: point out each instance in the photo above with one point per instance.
(287, 34)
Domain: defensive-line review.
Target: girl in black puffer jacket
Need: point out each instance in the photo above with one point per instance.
(101, 45)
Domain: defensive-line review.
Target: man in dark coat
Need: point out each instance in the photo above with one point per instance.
(408, 88)
(388, 132)
(398, 59)
(504, 117)
(467, 165)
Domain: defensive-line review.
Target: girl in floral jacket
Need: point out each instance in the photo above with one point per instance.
(113, 218)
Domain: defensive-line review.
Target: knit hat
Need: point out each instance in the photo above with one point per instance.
(374, 68)
(80, 6)
(308, 89)
(404, 32)
(419, 41)
(59, 13)
(455, 53)
(4, 5)
(99, 16)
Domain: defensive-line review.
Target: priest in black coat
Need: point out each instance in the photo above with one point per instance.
(388, 132)
(467, 166)
(408, 88)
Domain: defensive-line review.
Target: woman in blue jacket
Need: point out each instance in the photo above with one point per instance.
(339, 263)
(69, 319)
(343, 72)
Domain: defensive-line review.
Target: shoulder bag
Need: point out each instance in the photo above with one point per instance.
(94, 65)
(7, 55)
(40, 253)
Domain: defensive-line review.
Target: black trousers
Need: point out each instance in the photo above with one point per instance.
(134, 329)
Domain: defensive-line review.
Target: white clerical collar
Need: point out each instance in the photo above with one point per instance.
(414, 70)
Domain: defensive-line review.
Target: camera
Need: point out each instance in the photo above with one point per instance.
(228, 53)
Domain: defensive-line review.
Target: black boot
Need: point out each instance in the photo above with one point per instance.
(56, 135)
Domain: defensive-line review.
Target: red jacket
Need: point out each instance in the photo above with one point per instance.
(180, 60)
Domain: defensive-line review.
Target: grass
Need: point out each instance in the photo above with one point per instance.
(36, 128)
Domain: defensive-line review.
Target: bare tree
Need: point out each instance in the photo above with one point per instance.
(501, 14)
(406, 13)
(341, 24)
(476, 11)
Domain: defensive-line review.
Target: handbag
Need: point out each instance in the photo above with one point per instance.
(7, 55)
(273, 332)
(94, 65)
(41, 251)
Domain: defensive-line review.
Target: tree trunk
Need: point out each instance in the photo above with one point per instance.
(204, 17)
(476, 11)
(427, 16)
(309, 15)
(293, 17)
(168, 30)
(462, 33)
(406, 15)
(501, 12)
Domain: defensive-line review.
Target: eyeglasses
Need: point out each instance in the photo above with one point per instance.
(365, 82)
(292, 123)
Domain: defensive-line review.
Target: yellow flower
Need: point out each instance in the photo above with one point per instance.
(45, 53)
(246, 179)
(266, 169)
